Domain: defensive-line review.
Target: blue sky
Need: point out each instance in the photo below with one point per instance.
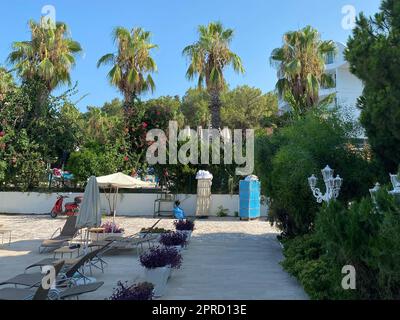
(258, 24)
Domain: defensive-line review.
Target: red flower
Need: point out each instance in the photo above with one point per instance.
(2, 134)
(145, 125)
(126, 158)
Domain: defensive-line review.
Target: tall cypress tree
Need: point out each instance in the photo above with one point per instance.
(374, 56)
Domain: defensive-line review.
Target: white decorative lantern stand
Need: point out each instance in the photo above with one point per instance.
(332, 185)
(394, 179)
(374, 191)
(204, 183)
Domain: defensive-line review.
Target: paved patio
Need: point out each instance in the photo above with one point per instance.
(227, 259)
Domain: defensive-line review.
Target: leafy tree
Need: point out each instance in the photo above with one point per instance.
(21, 158)
(29, 141)
(132, 64)
(113, 108)
(48, 56)
(162, 110)
(301, 68)
(101, 128)
(97, 161)
(286, 159)
(195, 108)
(68, 131)
(372, 53)
(246, 107)
(6, 82)
(153, 114)
(209, 57)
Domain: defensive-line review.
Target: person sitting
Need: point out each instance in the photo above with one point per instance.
(178, 211)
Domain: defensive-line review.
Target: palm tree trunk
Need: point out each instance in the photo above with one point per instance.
(127, 102)
(41, 102)
(215, 108)
(129, 115)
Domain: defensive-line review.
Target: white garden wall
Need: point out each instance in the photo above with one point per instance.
(128, 205)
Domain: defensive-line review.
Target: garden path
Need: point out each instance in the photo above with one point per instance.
(232, 260)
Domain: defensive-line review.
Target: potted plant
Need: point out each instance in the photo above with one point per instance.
(158, 263)
(107, 230)
(174, 239)
(186, 227)
(138, 292)
(156, 231)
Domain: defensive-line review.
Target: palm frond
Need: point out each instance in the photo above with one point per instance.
(107, 59)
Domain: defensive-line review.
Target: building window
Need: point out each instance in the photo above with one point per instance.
(330, 58)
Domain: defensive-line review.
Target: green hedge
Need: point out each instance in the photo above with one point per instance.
(364, 235)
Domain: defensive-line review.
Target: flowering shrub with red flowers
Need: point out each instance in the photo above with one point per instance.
(142, 117)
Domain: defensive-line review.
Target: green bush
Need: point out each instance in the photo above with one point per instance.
(347, 234)
(222, 212)
(93, 162)
(285, 160)
(385, 248)
(363, 235)
(305, 259)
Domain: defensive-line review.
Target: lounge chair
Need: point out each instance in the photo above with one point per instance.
(76, 291)
(16, 294)
(28, 294)
(95, 259)
(128, 243)
(52, 294)
(66, 234)
(69, 277)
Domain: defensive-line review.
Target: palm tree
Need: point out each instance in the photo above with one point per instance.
(48, 57)
(132, 65)
(209, 57)
(301, 68)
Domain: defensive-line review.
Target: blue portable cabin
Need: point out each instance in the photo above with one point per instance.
(250, 199)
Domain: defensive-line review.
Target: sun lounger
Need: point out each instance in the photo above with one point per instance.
(67, 277)
(97, 258)
(28, 294)
(17, 294)
(128, 243)
(66, 234)
(50, 261)
(76, 291)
